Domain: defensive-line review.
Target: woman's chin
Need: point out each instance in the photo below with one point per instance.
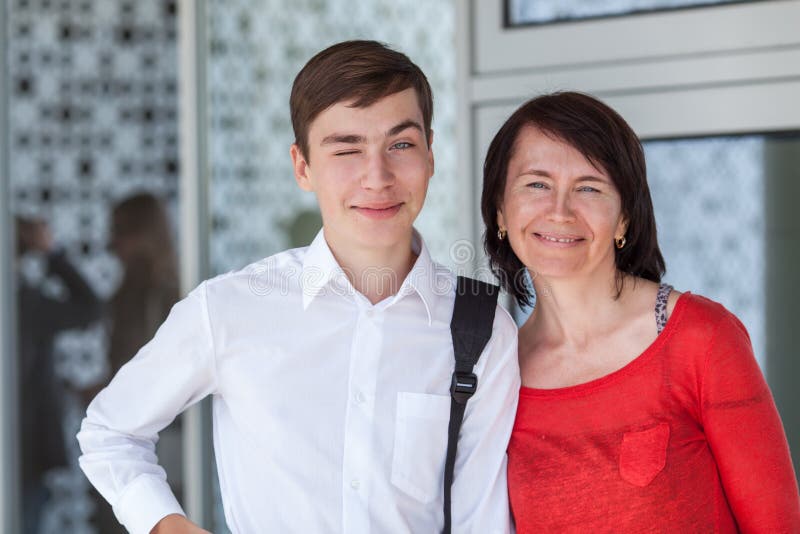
(552, 270)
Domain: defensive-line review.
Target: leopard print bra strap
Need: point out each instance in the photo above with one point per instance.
(661, 306)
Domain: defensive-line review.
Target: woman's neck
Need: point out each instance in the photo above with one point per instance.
(573, 311)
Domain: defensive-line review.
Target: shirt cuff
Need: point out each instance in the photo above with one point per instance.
(146, 501)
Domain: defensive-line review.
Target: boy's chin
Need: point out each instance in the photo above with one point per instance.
(382, 237)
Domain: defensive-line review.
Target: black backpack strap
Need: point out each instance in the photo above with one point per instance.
(471, 328)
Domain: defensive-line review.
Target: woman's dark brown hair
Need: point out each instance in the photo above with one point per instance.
(142, 218)
(605, 139)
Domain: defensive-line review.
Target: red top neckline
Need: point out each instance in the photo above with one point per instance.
(641, 359)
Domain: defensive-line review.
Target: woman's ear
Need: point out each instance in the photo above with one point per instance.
(622, 227)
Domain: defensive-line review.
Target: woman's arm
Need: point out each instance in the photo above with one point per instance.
(746, 436)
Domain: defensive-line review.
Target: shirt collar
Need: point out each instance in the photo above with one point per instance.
(422, 277)
(320, 268)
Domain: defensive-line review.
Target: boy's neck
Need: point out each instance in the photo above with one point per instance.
(375, 272)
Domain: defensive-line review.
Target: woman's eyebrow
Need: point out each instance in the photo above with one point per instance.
(592, 178)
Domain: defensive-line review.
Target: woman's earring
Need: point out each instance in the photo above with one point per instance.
(620, 241)
(501, 234)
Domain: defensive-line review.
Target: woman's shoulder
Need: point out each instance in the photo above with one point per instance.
(700, 315)
(704, 307)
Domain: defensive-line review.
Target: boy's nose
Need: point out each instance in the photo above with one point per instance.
(378, 173)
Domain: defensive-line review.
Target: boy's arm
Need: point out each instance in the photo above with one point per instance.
(177, 524)
(118, 436)
(480, 492)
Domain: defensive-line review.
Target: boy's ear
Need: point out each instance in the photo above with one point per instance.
(430, 152)
(301, 168)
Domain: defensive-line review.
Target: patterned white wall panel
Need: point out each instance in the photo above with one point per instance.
(256, 49)
(709, 198)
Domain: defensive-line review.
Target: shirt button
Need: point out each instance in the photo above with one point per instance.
(370, 313)
(355, 484)
(359, 397)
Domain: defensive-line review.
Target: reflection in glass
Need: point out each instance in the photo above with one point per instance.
(92, 101)
(522, 12)
(51, 301)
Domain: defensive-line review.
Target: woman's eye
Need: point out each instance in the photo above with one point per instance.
(537, 185)
(588, 189)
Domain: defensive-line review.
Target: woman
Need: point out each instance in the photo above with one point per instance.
(142, 240)
(642, 409)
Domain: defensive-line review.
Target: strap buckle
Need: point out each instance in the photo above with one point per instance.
(463, 386)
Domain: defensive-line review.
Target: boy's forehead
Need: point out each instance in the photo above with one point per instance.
(383, 113)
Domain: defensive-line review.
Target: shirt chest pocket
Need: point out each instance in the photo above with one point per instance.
(643, 454)
(420, 444)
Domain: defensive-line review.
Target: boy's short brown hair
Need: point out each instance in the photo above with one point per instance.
(359, 71)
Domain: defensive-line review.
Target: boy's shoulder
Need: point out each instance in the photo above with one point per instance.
(277, 270)
(445, 281)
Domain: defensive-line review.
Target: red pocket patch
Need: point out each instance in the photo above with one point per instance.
(643, 454)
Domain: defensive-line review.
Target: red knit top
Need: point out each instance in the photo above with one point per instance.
(685, 438)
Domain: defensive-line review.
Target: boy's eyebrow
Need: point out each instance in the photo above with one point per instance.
(409, 123)
(353, 139)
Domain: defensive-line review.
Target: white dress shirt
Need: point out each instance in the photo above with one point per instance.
(330, 413)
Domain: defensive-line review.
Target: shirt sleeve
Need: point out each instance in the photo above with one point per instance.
(746, 436)
(118, 436)
(480, 490)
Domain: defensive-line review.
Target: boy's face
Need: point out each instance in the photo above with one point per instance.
(369, 168)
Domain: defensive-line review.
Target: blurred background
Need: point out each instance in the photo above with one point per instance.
(145, 147)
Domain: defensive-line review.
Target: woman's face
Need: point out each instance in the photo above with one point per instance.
(561, 213)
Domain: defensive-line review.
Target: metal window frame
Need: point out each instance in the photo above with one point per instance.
(717, 30)
(10, 519)
(610, 15)
(194, 238)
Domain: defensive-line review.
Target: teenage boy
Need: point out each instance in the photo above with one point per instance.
(330, 366)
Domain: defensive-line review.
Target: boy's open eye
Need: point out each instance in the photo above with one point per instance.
(402, 145)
